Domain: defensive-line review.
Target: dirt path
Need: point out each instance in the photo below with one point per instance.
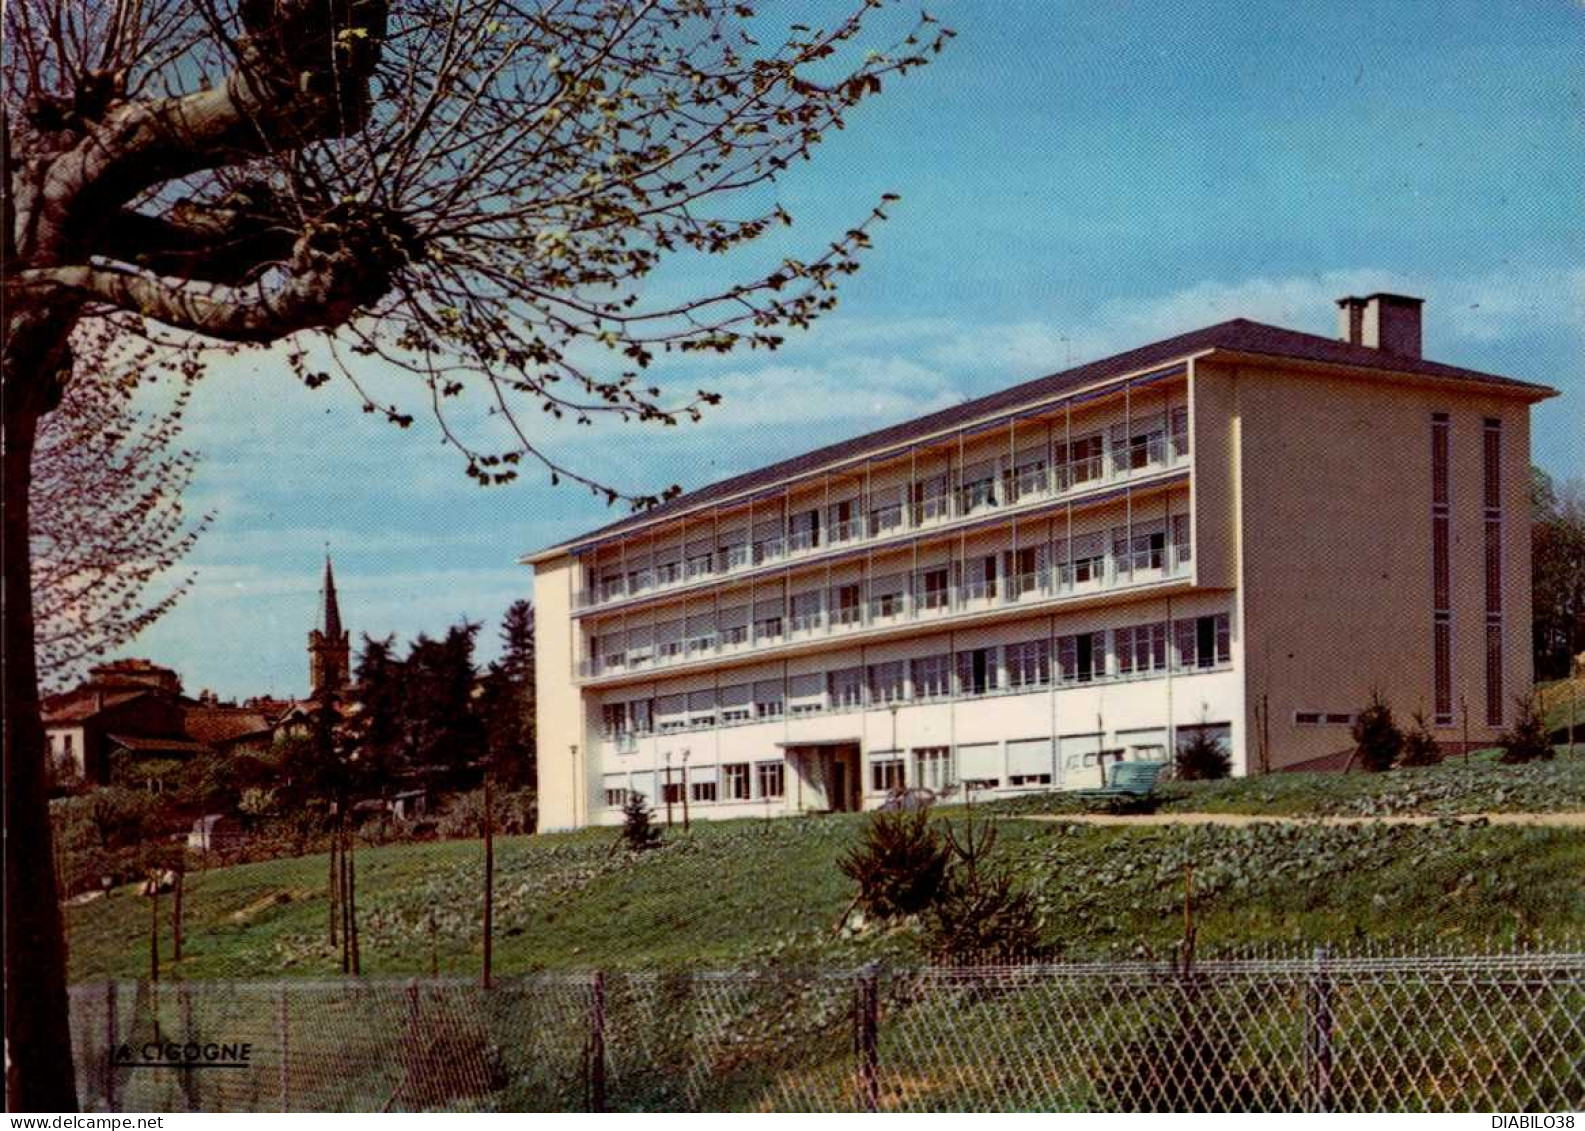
(1572, 819)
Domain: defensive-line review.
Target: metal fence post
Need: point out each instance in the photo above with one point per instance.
(597, 1042)
(865, 1038)
(1318, 1014)
(110, 1045)
(284, 1035)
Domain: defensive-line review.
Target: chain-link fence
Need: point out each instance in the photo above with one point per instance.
(1418, 1033)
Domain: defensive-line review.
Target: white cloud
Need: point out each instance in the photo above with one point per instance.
(1483, 308)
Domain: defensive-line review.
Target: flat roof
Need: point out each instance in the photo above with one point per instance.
(1240, 335)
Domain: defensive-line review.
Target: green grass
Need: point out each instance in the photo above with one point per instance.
(768, 892)
(1479, 785)
(1561, 697)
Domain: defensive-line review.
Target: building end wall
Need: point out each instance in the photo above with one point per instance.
(563, 775)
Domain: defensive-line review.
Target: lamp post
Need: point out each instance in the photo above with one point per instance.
(667, 789)
(575, 790)
(685, 753)
(895, 752)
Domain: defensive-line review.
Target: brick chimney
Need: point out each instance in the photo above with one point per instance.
(1386, 322)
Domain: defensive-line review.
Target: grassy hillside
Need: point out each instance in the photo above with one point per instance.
(769, 891)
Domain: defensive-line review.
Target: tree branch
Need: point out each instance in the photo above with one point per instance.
(301, 76)
(323, 293)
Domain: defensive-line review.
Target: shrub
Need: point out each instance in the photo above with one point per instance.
(978, 916)
(1419, 744)
(1202, 757)
(1526, 740)
(899, 865)
(1377, 738)
(463, 816)
(639, 834)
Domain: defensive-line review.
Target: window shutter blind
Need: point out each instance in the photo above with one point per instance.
(980, 762)
(1029, 756)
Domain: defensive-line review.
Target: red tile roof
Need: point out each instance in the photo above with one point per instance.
(1239, 335)
(145, 744)
(84, 704)
(219, 725)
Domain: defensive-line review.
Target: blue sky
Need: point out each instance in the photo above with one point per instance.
(1077, 178)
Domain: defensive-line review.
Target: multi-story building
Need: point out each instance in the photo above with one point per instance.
(1245, 529)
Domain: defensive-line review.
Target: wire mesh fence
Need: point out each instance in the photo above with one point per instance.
(1501, 1032)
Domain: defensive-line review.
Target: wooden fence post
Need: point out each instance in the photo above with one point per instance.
(597, 1042)
(111, 1041)
(283, 1034)
(866, 1034)
(1319, 1037)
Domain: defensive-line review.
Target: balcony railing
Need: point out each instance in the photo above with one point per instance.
(924, 600)
(963, 501)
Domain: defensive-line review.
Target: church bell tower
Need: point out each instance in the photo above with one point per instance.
(329, 646)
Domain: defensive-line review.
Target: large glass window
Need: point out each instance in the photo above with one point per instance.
(932, 677)
(886, 774)
(1204, 642)
(1082, 657)
(845, 688)
(1142, 649)
(933, 767)
(887, 684)
(736, 780)
(1029, 664)
(771, 779)
(977, 671)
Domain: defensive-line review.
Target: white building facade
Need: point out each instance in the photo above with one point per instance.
(1005, 596)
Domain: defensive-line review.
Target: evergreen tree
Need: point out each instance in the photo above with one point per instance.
(1526, 740)
(1376, 735)
(510, 699)
(381, 703)
(1419, 744)
(442, 716)
(639, 833)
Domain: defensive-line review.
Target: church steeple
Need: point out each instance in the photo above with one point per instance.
(330, 613)
(329, 645)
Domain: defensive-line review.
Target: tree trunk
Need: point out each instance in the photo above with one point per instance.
(39, 1072)
(489, 882)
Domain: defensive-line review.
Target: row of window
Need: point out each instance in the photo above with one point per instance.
(1016, 763)
(700, 785)
(1130, 652)
(1003, 576)
(1005, 481)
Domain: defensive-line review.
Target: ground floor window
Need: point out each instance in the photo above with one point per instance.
(772, 779)
(671, 793)
(703, 790)
(615, 798)
(737, 781)
(933, 767)
(886, 774)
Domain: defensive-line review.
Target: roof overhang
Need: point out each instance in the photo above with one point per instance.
(1102, 386)
(1509, 390)
(819, 743)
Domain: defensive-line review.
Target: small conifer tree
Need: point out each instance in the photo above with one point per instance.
(1526, 740)
(1376, 735)
(899, 865)
(1419, 744)
(1202, 757)
(639, 833)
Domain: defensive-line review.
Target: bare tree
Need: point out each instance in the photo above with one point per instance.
(472, 192)
(108, 520)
